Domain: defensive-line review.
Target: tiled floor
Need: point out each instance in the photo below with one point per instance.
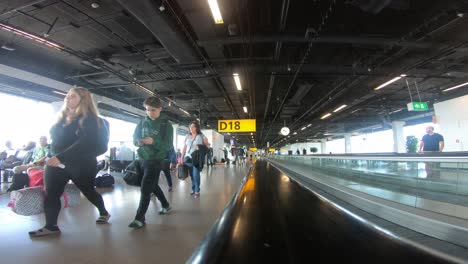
(165, 239)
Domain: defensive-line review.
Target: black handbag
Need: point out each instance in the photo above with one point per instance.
(104, 181)
(133, 174)
(188, 159)
(182, 172)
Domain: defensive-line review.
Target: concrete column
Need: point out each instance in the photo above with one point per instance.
(324, 145)
(399, 142)
(347, 140)
(174, 135)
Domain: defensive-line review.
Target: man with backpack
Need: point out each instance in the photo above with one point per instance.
(153, 137)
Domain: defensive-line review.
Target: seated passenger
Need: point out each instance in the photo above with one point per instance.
(8, 156)
(24, 156)
(8, 147)
(21, 156)
(38, 157)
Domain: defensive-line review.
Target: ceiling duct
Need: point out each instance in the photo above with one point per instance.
(14, 5)
(294, 104)
(375, 6)
(169, 36)
(302, 91)
(8, 46)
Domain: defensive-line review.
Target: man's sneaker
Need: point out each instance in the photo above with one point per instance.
(192, 193)
(136, 224)
(165, 210)
(103, 219)
(44, 232)
(170, 189)
(196, 194)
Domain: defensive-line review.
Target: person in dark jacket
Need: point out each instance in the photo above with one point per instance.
(167, 166)
(73, 157)
(153, 135)
(209, 156)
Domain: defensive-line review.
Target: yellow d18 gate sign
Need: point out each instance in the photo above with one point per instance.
(237, 125)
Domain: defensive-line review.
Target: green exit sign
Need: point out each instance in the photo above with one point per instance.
(417, 106)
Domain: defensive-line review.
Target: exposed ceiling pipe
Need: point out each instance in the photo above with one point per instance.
(373, 6)
(282, 27)
(175, 43)
(145, 12)
(61, 86)
(352, 40)
(91, 61)
(15, 5)
(107, 28)
(351, 82)
(303, 60)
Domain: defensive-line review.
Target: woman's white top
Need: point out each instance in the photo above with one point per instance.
(198, 140)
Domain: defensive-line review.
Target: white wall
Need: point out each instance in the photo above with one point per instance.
(336, 146)
(217, 142)
(300, 146)
(381, 141)
(452, 117)
(181, 137)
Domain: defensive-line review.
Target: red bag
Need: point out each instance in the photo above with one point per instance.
(36, 178)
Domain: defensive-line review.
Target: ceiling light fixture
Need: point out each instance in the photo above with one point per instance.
(295, 133)
(339, 108)
(58, 92)
(390, 82)
(455, 87)
(161, 7)
(237, 81)
(303, 128)
(326, 115)
(8, 46)
(30, 36)
(129, 113)
(144, 88)
(245, 109)
(184, 111)
(95, 5)
(215, 11)
(309, 125)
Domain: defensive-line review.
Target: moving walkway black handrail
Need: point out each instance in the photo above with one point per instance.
(273, 219)
(395, 154)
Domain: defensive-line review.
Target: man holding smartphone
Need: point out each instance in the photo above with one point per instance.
(153, 137)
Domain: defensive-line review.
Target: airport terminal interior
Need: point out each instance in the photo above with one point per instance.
(334, 130)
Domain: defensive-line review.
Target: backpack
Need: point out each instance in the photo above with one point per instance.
(133, 174)
(104, 181)
(102, 137)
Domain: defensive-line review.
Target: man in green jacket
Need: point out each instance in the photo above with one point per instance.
(153, 136)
